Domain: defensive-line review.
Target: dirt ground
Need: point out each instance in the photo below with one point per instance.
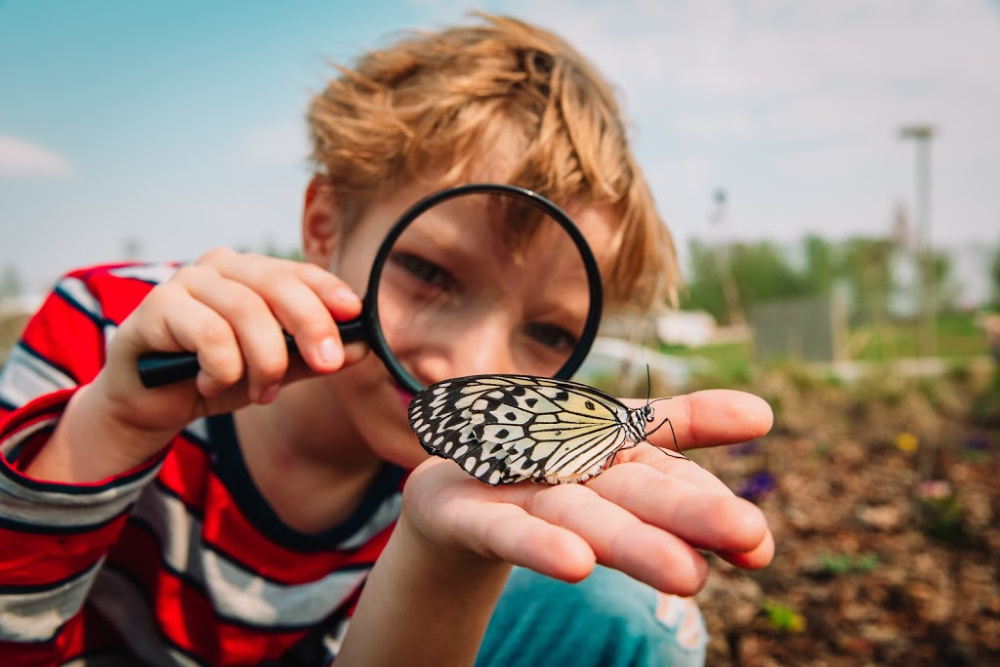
(883, 498)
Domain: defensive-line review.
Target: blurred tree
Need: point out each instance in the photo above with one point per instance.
(946, 291)
(764, 272)
(703, 286)
(995, 276)
(822, 265)
(761, 270)
(867, 268)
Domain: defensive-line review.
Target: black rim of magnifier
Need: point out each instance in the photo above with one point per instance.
(160, 368)
(376, 337)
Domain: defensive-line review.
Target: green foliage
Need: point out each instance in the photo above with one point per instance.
(783, 618)
(763, 271)
(995, 275)
(838, 564)
(942, 518)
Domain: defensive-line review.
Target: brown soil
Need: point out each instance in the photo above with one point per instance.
(883, 499)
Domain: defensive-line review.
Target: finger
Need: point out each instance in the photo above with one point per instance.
(754, 559)
(480, 518)
(710, 418)
(674, 466)
(618, 538)
(258, 334)
(507, 532)
(306, 300)
(203, 331)
(694, 511)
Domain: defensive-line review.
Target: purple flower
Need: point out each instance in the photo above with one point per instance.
(978, 442)
(757, 486)
(748, 448)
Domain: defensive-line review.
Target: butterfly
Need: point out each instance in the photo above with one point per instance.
(503, 429)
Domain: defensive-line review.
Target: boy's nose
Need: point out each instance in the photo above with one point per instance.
(479, 348)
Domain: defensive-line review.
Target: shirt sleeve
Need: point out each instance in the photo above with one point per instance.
(54, 536)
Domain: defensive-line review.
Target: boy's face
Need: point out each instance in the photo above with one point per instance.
(458, 296)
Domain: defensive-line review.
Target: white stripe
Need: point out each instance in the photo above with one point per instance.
(122, 603)
(36, 617)
(50, 507)
(77, 291)
(154, 273)
(199, 429)
(237, 593)
(381, 519)
(25, 377)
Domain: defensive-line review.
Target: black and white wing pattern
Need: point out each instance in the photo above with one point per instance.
(503, 429)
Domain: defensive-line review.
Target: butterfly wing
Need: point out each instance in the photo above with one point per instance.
(508, 428)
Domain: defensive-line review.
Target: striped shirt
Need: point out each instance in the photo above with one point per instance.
(178, 562)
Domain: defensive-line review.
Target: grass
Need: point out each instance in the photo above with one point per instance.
(958, 339)
(957, 335)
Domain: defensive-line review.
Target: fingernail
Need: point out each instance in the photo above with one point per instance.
(346, 295)
(330, 351)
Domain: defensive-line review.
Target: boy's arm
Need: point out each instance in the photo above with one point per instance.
(53, 536)
(429, 598)
(422, 605)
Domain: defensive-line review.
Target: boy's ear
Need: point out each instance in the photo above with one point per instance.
(319, 223)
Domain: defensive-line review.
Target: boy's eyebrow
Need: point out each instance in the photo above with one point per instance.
(446, 234)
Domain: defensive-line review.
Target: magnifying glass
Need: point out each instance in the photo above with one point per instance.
(484, 273)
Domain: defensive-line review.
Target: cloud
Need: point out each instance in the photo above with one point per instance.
(800, 101)
(23, 158)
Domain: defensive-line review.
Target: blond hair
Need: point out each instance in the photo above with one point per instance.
(443, 98)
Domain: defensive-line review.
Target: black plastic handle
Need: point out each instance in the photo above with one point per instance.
(158, 369)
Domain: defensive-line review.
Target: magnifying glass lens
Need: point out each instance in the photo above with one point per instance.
(478, 279)
(486, 282)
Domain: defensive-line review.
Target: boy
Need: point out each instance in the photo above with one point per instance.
(232, 519)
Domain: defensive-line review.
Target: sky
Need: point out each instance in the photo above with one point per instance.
(157, 130)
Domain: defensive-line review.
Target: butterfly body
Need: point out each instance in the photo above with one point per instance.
(504, 429)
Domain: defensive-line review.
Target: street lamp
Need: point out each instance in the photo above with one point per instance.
(927, 334)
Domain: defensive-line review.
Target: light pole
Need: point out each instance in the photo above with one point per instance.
(730, 291)
(927, 333)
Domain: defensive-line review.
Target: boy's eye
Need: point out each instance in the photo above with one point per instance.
(423, 270)
(551, 335)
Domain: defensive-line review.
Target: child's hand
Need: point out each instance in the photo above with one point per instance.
(229, 309)
(648, 515)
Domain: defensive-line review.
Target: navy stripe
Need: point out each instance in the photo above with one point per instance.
(74, 490)
(231, 470)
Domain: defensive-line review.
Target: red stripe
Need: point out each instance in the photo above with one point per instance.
(118, 296)
(228, 529)
(186, 615)
(29, 559)
(186, 471)
(67, 338)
